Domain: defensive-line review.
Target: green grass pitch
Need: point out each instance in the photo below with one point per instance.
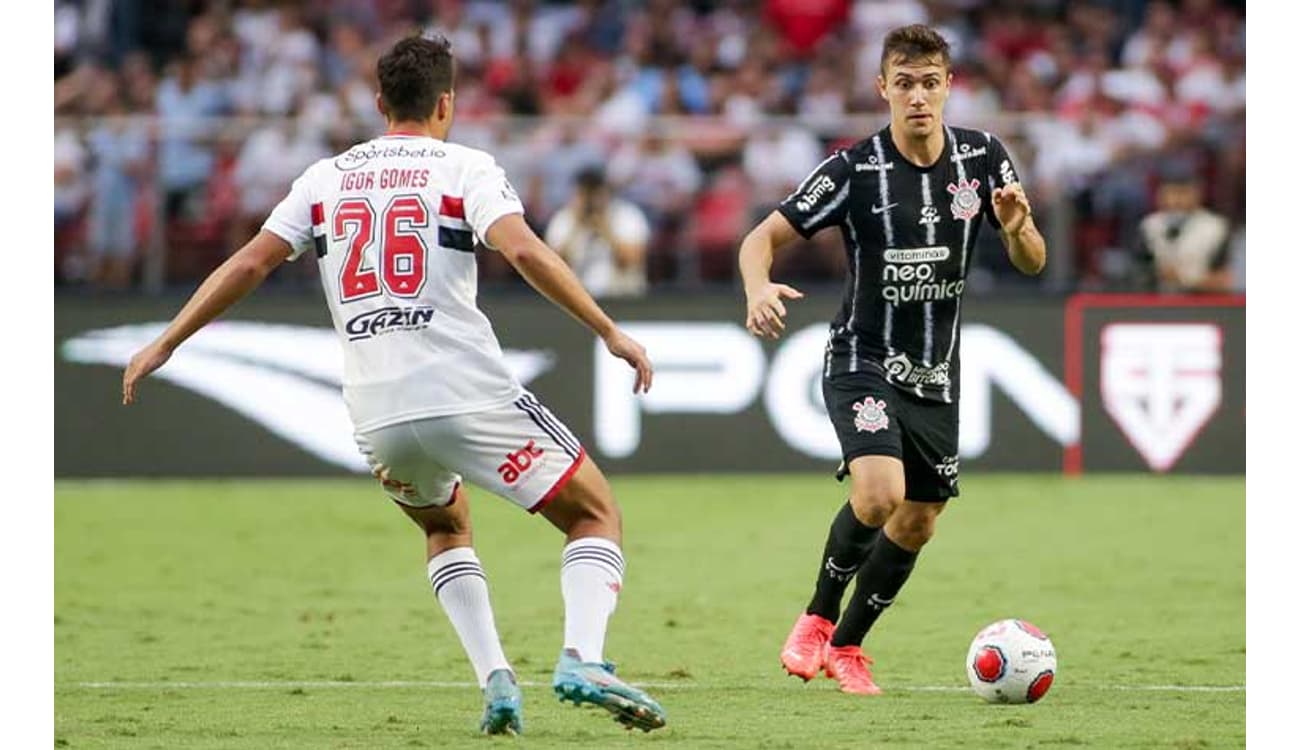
(269, 614)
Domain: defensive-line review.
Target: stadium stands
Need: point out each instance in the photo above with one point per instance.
(190, 121)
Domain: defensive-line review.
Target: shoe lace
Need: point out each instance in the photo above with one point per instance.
(810, 635)
(855, 663)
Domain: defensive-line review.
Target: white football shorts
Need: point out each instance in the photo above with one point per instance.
(519, 451)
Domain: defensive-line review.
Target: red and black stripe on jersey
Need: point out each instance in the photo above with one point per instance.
(909, 232)
(453, 231)
(318, 237)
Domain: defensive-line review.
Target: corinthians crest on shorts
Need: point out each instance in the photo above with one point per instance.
(871, 416)
(965, 199)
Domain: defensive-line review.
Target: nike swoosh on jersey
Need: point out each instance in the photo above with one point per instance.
(882, 209)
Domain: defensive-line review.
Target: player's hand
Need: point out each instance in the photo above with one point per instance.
(765, 310)
(142, 364)
(1011, 207)
(627, 349)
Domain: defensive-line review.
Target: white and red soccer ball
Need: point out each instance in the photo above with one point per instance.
(1011, 661)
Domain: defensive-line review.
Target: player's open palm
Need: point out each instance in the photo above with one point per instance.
(627, 349)
(765, 310)
(1010, 206)
(141, 365)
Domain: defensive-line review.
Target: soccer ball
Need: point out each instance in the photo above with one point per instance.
(1011, 661)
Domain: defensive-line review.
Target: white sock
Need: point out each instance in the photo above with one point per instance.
(461, 587)
(591, 575)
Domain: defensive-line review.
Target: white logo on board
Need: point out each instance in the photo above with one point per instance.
(1160, 382)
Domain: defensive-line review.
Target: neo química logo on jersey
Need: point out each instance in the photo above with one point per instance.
(911, 275)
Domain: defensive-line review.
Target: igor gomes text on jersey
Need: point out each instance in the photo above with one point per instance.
(392, 223)
(909, 232)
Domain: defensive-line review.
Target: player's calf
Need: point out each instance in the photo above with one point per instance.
(914, 523)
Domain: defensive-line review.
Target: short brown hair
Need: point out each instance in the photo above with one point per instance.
(413, 74)
(915, 42)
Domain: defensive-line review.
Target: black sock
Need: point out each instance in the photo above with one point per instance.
(879, 581)
(847, 546)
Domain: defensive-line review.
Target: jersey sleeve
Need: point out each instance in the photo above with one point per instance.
(292, 219)
(488, 197)
(1001, 173)
(821, 200)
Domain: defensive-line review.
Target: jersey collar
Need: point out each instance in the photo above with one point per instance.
(887, 136)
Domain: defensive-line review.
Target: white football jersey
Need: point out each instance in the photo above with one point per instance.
(392, 223)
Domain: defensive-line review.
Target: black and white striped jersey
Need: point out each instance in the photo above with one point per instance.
(909, 233)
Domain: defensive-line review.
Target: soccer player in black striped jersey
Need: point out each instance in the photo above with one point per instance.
(909, 202)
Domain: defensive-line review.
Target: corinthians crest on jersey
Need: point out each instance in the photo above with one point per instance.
(965, 199)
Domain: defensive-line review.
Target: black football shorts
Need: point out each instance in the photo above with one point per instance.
(873, 418)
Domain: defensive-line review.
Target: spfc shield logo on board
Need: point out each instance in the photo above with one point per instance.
(1161, 384)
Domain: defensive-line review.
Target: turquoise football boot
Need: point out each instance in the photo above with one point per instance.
(590, 682)
(503, 712)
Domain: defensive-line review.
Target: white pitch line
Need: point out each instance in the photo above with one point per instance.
(327, 684)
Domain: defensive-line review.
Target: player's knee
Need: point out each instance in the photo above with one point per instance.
(874, 501)
(451, 519)
(913, 530)
(586, 506)
(600, 509)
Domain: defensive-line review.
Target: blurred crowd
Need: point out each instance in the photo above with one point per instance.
(179, 125)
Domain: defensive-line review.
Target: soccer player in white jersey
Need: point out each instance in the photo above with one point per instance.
(392, 224)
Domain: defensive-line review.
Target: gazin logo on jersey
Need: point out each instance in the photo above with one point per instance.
(911, 275)
(387, 320)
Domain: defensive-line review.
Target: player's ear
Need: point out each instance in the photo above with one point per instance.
(880, 86)
(445, 105)
(379, 105)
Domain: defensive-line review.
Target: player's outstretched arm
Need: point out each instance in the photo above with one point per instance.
(239, 275)
(547, 272)
(1024, 243)
(763, 307)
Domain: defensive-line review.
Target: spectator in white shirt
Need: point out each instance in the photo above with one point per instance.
(602, 238)
(1185, 246)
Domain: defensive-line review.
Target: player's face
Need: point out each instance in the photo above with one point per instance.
(916, 91)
